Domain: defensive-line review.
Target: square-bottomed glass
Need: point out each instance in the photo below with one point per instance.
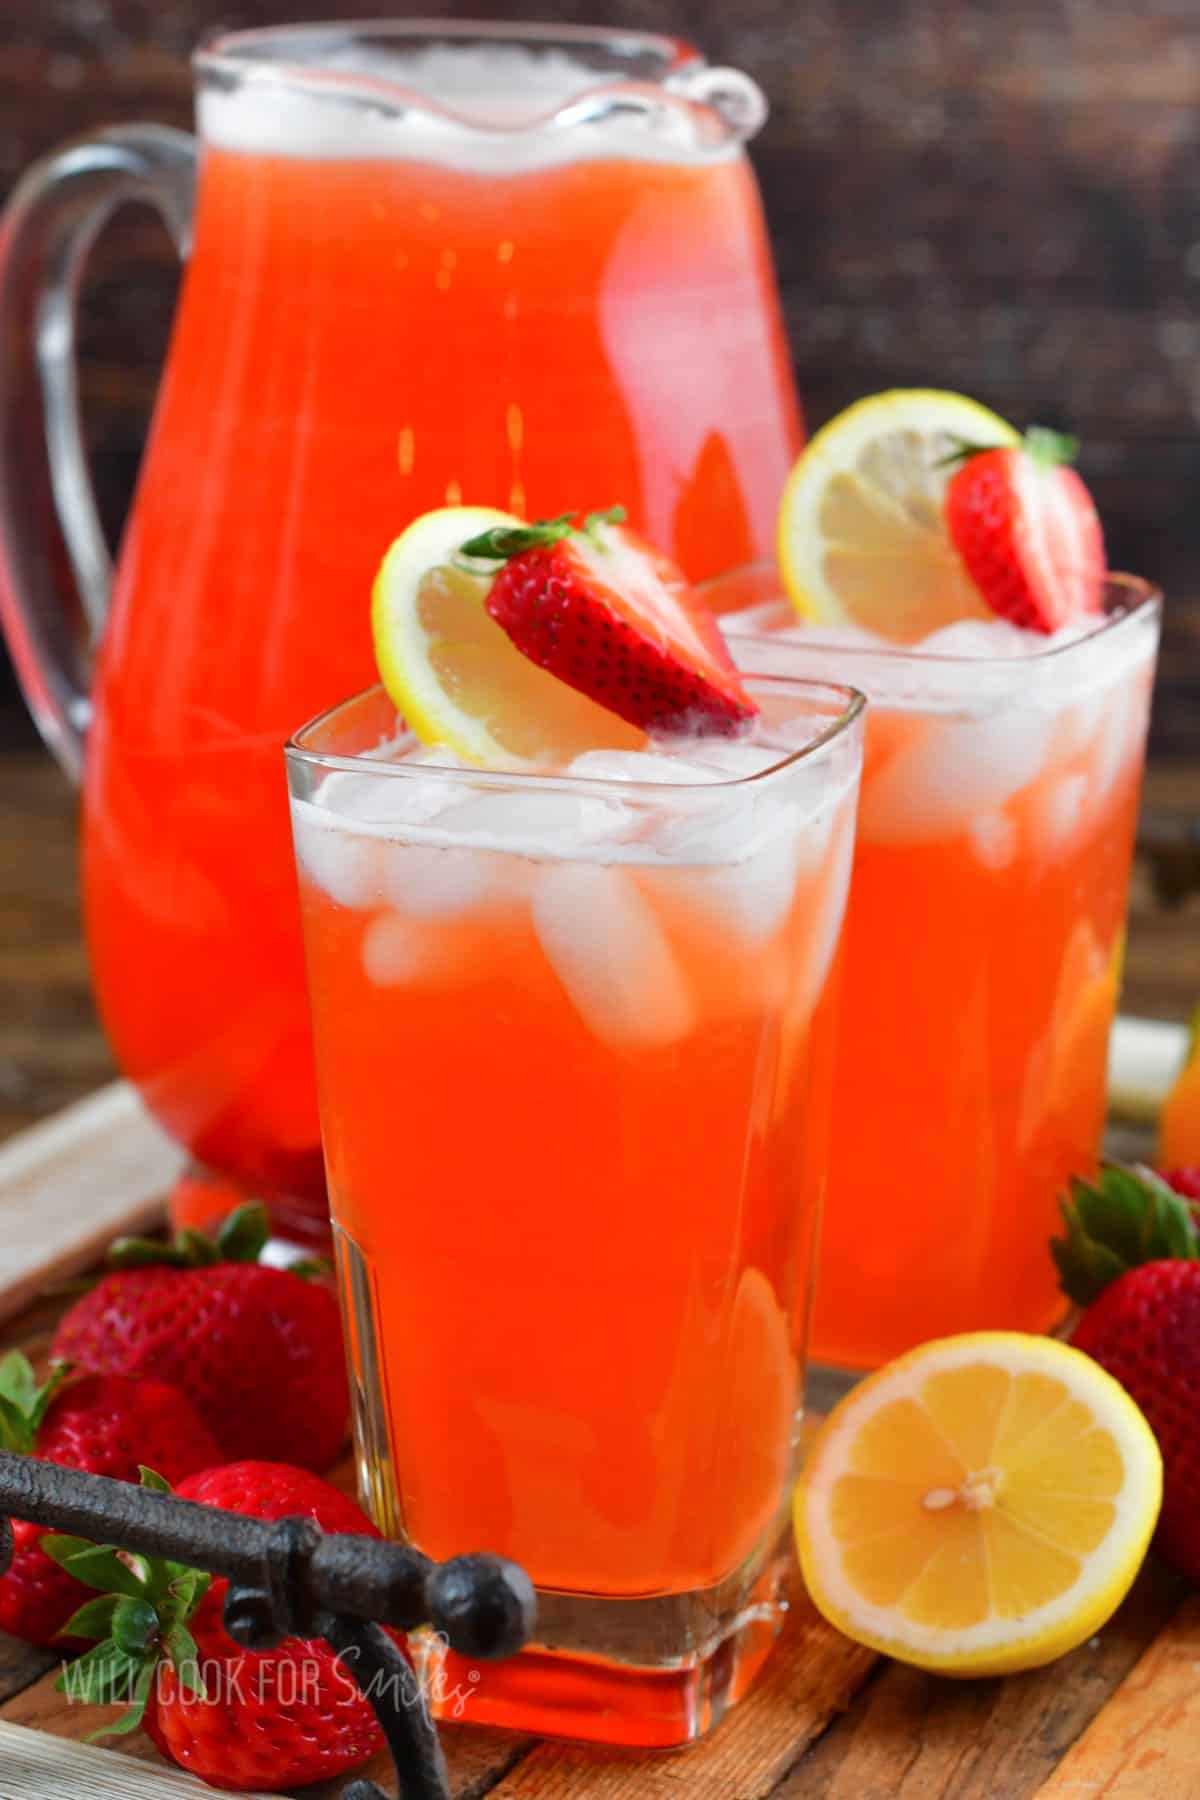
(574, 1039)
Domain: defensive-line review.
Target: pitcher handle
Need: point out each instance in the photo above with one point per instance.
(47, 504)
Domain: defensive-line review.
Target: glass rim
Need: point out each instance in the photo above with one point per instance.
(275, 54)
(232, 44)
(1143, 597)
(853, 704)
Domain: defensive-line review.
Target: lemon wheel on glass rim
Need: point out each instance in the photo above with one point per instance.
(861, 540)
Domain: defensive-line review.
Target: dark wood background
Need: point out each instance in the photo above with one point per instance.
(999, 196)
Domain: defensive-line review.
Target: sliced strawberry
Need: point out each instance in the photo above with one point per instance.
(605, 612)
(1027, 529)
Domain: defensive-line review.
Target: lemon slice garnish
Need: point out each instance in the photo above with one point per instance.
(454, 674)
(861, 536)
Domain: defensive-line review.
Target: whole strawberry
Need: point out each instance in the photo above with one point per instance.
(1185, 1181)
(1131, 1259)
(236, 1718)
(1028, 531)
(107, 1424)
(257, 1350)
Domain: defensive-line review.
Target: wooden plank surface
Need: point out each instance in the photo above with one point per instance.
(911, 1736)
(1145, 1744)
(36, 1767)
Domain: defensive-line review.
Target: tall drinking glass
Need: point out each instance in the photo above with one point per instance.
(983, 959)
(574, 1041)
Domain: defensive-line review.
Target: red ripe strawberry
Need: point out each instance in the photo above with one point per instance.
(1185, 1182)
(252, 1720)
(107, 1424)
(1145, 1330)
(612, 617)
(257, 1350)
(1131, 1258)
(1027, 529)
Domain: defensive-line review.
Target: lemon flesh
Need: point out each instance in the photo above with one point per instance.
(979, 1506)
(861, 537)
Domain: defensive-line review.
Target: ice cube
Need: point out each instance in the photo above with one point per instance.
(389, 800)
(606, 947)
(645, 765)
(736, 759)
(435, 882)
(392, 950)
(345, 864)
(993, 839)
(750, 897)
(536, 822)
(1058, 810)
(983, 638)
(949, 774)
(826, 933)
(1122, 728)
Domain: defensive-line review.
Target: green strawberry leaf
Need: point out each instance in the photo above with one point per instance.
(144, 1253)
(24, 1402)
(311, 1268)
(185, 1592)
(60, 1547)
(184, 1653)
(240, 1238)
(1127, 1217)
(153, 1481)
(243, 1235)
(93, 1619)
(131, 1718)
(135, 1626)
(611, 515)
(100, 1566)
(100, 1677)
(1049, 449)
(18, 1382)
(501, 542)
(15, 1432)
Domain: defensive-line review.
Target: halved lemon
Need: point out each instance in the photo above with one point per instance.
(454, 674)
(861, 536)
(980, 1505)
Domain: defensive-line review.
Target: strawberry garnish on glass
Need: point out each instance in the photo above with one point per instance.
(604, 611)
(1028, 531)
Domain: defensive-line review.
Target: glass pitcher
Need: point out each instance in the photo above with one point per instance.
(515, 265)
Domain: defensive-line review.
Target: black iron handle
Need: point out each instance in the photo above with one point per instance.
(288, 1579)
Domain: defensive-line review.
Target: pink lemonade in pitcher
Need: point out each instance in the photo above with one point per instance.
(384, 313)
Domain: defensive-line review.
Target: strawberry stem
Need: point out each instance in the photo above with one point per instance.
(140, 1617)
(1048, 449)
(241, 1238)
(502, 542)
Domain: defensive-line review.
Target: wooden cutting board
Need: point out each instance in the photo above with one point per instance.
(827, 1721)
